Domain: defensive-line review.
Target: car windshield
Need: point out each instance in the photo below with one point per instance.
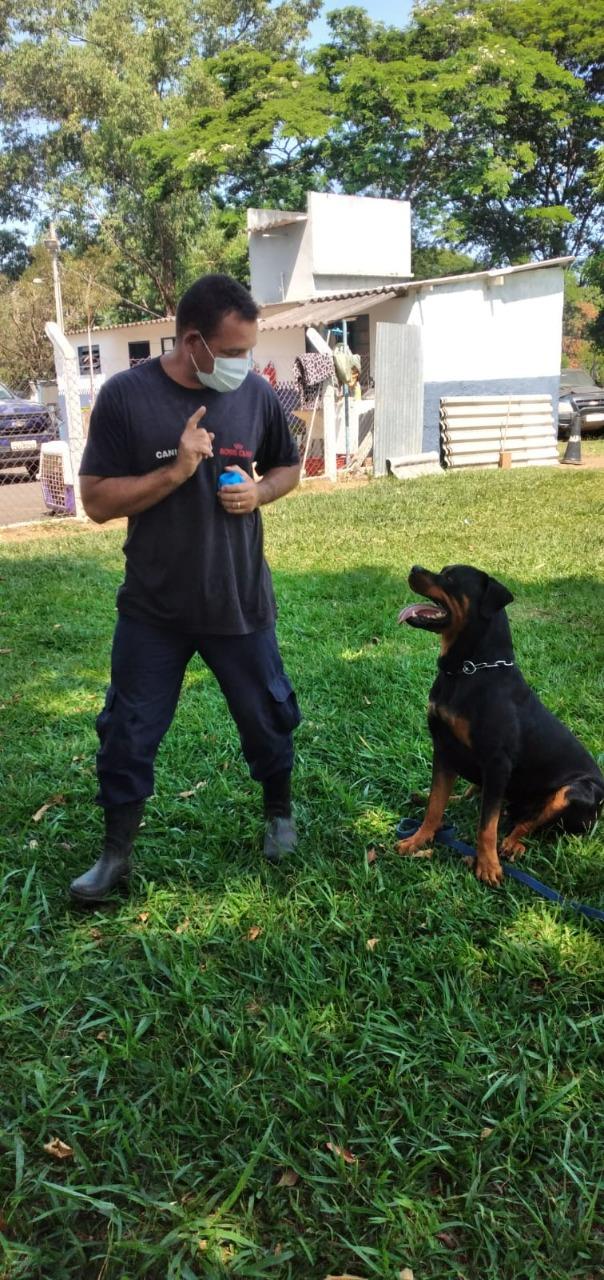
(5, 394)
(576, 378)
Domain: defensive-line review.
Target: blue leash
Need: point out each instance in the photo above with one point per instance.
(446, 835)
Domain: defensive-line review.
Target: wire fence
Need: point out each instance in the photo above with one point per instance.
(35, 467)
(24, 428)
(305, 418)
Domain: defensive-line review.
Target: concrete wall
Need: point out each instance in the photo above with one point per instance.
(113, 348)
(480, 338)
(280, 264)
(282, 348)
(360, 236)
(345, 242)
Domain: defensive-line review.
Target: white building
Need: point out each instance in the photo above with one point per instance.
(348, 258)
(108, 349)
(340, 243)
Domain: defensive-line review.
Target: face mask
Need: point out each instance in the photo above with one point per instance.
(227, 374)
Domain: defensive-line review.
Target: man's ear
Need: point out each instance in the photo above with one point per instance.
(496, 596)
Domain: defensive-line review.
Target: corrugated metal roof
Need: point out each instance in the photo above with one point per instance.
(325, 311)
(125, 324)
(283, 315)
(396, 284)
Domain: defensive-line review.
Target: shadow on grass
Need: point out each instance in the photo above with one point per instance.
(165, 1036)
(361, 680)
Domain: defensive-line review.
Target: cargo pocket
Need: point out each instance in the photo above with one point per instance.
(104, 716)
(285, 704)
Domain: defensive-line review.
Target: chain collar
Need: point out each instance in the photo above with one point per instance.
(469, 668)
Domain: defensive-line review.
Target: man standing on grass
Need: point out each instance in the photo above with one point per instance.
(196, 580)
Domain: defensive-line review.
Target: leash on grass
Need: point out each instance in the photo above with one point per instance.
(446, 836)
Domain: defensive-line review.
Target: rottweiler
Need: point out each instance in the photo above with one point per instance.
(489, 727)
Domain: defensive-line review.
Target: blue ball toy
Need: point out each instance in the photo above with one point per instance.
(229, 477)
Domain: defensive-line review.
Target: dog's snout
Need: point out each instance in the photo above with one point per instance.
(417, 568)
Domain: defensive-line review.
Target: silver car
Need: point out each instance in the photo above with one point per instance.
(579, 385)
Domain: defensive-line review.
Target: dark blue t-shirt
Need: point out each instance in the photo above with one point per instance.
(188, 564)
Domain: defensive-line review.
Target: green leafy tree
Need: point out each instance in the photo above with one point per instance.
(548, 58)
(255, 138)
(26, 304)
(80, 84)
(431, 263)
(486, 119)
(582, 342)
(487, 115)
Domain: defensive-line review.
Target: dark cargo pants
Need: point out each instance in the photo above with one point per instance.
(147, 669)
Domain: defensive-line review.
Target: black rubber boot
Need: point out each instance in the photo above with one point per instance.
(113, 867)
(280, 835)
(280, 838)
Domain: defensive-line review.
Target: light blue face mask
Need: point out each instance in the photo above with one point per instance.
(228, 372)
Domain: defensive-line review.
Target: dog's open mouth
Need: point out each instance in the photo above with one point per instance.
(429, 616)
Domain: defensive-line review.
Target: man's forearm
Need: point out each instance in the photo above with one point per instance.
(106, 498)
(276, 483)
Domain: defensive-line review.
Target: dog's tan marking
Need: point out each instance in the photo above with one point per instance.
(459, 610)
(488, 866)
(555, 805)
(459, 726)
(442, 786)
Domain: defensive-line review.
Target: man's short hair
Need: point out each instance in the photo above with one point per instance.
(211, 298)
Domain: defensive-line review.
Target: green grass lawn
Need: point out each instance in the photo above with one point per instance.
(198, 1045)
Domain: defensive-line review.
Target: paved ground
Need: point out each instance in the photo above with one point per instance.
(20, 498)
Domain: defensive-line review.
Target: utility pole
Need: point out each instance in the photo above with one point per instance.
(52, 244)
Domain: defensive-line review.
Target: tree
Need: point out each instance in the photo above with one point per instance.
(539, 67)
(583, 340)
(489, 128)
(80, 84)
(14, 254)
(255, 140)
(28, 303)
(430, 263)
(486, 115)
(149, 128)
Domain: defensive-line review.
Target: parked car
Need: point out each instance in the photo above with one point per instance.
(24, 427)
(576, 383)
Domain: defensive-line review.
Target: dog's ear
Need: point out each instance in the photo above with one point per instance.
(495, 597)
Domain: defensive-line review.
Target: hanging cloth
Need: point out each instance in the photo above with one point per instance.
(345, 362)
(310, 372)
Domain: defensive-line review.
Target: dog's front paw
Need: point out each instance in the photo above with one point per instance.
(512, 848)
(489, 869)
(414, 846)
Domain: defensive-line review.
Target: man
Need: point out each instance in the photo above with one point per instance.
(196, 581)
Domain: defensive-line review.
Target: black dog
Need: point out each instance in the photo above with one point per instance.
(488, 726)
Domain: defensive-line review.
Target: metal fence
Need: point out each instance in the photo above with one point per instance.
(24, 428)
(306, 425)
(30, 491)
(41, 446)
(306, 421)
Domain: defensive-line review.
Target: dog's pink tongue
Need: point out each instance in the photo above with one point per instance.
(418, 611)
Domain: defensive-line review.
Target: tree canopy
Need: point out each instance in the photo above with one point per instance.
(145, 129)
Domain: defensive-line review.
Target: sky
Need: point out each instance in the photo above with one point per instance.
(393, 12)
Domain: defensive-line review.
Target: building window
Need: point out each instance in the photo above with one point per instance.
(138, 351)
(84, 360)
(167, 344)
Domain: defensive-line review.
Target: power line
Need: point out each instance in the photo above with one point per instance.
(108, 289)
